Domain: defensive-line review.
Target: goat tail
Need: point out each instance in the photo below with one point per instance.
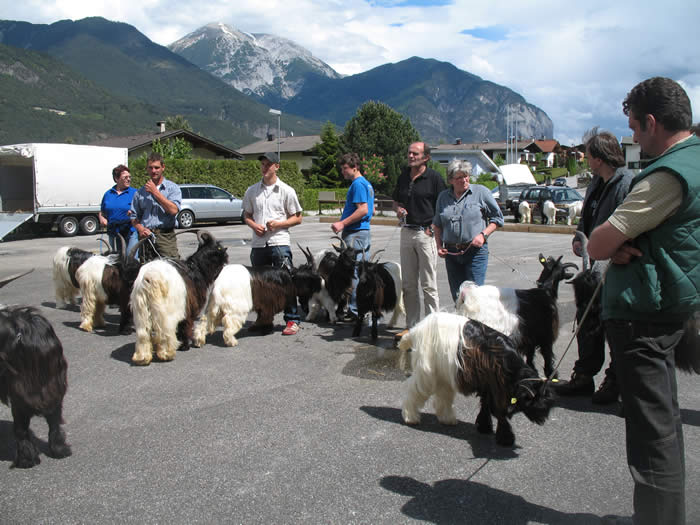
(63, 287)
(89, 277)
(687, 352)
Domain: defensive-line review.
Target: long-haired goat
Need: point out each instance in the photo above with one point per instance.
(33, 379)
(549, 212)
(168, 296)
(574, 211)
(529, 316)
(237, 291)
(107, 280)
(66, 262)
(451, 354)
(378, 290)
(525, 212)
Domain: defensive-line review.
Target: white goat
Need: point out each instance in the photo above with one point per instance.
(524, 211)
(574, 211)
(549, 212)
(322, 299)
(95, 298)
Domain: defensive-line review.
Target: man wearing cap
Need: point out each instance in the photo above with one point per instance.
(270, 208)
(154, 208)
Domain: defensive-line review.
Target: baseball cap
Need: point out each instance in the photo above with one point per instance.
(271, 156)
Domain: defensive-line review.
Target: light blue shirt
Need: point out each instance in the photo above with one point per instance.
(460, 220)
(149, 213)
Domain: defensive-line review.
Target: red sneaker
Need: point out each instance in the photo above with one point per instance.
(291, 329)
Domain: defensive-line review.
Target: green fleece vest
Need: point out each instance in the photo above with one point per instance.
(663, 284)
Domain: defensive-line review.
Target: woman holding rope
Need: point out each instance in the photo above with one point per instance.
(465, 216)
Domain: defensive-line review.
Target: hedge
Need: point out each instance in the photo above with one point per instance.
(232, 175)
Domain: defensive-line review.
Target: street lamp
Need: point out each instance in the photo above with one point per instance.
(279, 118)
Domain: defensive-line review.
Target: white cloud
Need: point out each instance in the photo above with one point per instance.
(575, 64)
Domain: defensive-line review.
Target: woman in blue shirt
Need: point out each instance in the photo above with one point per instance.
(465, 215)
(114, 210)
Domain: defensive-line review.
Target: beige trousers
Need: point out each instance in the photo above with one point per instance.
(418, 266)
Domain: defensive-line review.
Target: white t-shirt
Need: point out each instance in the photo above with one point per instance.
(271, 203)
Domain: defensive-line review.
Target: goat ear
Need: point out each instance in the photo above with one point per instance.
(543, 260)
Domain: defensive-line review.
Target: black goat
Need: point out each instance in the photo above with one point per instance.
(528, 316)
(378, 290)
(169, 295)
(33, 379)
(450, 354)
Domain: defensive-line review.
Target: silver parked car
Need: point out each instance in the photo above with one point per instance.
(208, 203)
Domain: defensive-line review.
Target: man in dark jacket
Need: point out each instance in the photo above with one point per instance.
(607, 190)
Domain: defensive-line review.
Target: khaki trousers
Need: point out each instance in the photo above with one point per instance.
(418, 267)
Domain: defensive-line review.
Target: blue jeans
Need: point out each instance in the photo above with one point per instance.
(646, 375)
(275, 256)
(470, 266)
(115, 242)
(360, 240)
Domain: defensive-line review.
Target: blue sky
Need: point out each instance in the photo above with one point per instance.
(575, 61)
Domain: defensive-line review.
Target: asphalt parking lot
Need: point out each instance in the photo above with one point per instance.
(307, 428)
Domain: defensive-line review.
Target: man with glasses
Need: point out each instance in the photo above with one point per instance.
(414, 197)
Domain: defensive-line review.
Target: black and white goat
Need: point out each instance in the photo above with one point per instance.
(378, 290)
(528, 316)
(104, 281)
(237, 291)
(168, 296)
(33, 379)
(66, 262)
(450, 354)
(337, 271)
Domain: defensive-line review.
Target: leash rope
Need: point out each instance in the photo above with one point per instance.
(580, 323)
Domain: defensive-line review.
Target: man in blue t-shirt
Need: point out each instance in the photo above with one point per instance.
(357, 214)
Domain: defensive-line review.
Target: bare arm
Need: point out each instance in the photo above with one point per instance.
(169, 206)
(607, 242)
(357, 215)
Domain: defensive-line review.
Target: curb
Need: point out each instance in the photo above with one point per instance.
(507, 227)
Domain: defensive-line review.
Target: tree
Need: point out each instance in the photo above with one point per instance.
(177, 148)
(324, 165)
(177, 122)
(498, 160)
(377, 129)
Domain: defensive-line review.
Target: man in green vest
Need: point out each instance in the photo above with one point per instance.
(651, 289)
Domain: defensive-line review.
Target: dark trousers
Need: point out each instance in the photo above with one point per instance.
(591, 346)
(646, 375)
(165, 246)
(276, 256)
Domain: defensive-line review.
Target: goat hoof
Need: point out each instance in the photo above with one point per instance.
(27, 455)
(59, 451)
(505, 438)
(484, 425)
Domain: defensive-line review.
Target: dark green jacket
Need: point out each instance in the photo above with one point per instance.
(663, 284)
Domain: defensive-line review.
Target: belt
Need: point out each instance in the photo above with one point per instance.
(416, 226)
(162, 230)
(456, 247)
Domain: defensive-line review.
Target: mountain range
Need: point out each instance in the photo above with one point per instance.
(223, 82)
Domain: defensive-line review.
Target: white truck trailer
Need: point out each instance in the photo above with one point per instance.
(55, 184)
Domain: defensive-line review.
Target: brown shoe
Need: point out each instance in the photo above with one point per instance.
(397, 337)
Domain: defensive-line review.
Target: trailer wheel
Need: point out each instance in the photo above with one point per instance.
(68, 226)
(89, 225)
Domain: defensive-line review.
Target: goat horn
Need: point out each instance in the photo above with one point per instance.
(6, 280)
(197, 232)
(106, 243)
(581, 237)
(132, 253)
(122, 247)
(307, 253)
(569, 265)
(343, 245)
(371, 258)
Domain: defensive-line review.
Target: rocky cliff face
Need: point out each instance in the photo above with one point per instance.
(268, 67)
